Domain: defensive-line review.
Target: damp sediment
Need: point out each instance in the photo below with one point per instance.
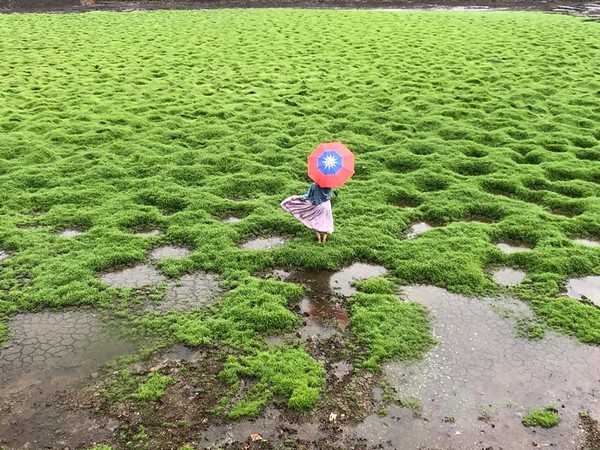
(136, 277)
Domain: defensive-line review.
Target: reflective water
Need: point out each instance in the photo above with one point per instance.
(480, 369)
(169, 251)
(512, 248)
(263, 243)
(134, 277)
(588, 287)
(508, 277)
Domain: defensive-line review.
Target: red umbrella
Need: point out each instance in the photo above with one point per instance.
(331, 164)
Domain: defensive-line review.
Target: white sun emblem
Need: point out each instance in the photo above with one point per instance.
(330, 162)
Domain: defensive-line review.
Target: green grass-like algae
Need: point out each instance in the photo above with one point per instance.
(174, 120)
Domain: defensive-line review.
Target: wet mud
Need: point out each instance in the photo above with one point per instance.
(49, 353)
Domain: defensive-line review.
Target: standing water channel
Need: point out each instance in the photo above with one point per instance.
(50, 352)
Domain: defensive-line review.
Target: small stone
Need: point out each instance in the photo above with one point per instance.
(94, 375)
(256, 437)
(333, 417)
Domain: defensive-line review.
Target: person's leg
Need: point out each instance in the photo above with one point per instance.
(324, 238)
(318, 237)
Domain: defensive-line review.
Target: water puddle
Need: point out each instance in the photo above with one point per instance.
(585, 288)
(263, 243)
(418, 229)
(341, 369)
(512, 247)
(182, 353)
(587, 242)
(269, 427)
(473, 388)
(169, 251)
(3, 255)
(508, 277)
(326, 316)
(341, 282)
(188, 293)
(134, 277)
(55, 346)
(147, 233)
(70, 233)
(51, 352)
(231, 219)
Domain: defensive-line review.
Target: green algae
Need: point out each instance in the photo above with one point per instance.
(173, 120)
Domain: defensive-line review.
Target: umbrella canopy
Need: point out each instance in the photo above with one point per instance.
(331, 164)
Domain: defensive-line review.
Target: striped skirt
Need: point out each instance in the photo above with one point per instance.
(316, 217)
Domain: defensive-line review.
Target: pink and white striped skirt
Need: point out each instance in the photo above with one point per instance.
(316, 217)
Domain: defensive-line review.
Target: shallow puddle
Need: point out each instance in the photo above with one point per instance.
(341, 369)
(169, 251)
(325, 315)
(588, 287)
(3, 255)
(70, 233)
(62, 345)
(418, 229)
(147, 233)
(512, 248)
(480, 369)
(134, 277)
(263, 243)
(189, 292)
(587, 242)
(51, 352)
(508, 277)
(341, 282)
(231, 219)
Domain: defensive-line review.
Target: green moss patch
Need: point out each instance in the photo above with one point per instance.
(545, 418)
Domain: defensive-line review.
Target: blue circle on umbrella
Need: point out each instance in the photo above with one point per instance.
(330, 162)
